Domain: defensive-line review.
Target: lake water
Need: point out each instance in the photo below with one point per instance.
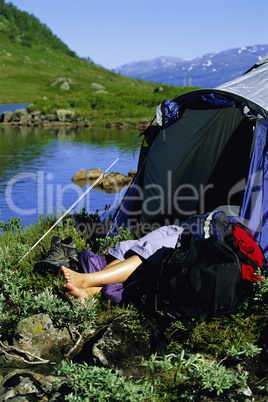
(36, 167)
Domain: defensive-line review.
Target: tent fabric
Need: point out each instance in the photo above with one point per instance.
(208, 149)
(254, 211)
(253, 87)
(200, 133)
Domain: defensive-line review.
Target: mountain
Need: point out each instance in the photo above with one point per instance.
(209, 71)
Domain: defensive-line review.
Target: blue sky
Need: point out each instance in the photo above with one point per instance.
(116, 32)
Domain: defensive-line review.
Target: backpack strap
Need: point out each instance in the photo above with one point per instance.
(242, 255)
(207, 225)
(221, 222)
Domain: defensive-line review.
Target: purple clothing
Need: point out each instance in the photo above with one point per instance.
(90, 263)
(150, 248)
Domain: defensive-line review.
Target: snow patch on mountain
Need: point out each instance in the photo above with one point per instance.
(210, 70)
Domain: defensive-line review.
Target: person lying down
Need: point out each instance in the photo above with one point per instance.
(130, 265)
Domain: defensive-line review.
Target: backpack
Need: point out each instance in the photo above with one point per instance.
(231, 231)
(241, 240)
(198, 279)
(210, 271)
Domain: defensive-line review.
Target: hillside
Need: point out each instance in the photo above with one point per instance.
(208, 71)
(34, 65)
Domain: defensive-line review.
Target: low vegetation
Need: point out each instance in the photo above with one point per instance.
(229, 352)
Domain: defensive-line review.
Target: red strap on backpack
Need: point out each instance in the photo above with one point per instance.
(241, 239)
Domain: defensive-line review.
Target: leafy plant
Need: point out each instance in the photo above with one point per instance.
(13, 224)
(216, 377)
(91, 383)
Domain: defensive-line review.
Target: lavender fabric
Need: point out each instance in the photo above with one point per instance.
(150, 248)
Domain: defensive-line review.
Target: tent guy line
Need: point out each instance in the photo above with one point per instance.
(80, 198)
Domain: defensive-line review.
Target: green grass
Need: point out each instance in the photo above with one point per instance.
(27, 74)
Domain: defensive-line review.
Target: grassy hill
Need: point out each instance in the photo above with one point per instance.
(32, 58)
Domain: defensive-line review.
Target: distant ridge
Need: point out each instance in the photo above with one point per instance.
(209, 71)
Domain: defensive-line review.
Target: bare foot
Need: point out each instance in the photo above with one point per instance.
(70, 290)
(77, 279)
(71, 287)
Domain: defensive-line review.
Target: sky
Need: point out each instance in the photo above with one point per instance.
(116, 32)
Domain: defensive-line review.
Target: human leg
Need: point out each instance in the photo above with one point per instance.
(78, 284)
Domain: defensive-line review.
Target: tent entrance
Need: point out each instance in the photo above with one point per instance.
(227, 182)
(194, 164)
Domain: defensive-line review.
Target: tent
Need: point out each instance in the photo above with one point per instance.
(208, 149)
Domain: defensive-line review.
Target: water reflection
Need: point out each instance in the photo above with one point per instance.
(36, 167)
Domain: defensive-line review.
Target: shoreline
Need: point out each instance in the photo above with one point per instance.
(61, 118)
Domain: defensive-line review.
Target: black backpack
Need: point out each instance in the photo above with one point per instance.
(197, 280)
(210, 271)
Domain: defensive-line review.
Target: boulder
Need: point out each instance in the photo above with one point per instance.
(6, 117)
(109, 181)
(25, 120)
(121, 125)
(117, 178)
(38, 336)
(65, 115)
(25, 385)
(18, 113)
(57, 81)
(93, 174)
(51, 117)
(158, 89)
(121, 348)
(100, 91)
(94, 85)
(81, 175)
(132, 173)
(65, 86)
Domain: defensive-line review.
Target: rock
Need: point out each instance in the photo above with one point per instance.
(94, 85)
(51, 117)
(65, 86)
(158, 89)
(117, 178)
(109, 180)
(121, 125)
(65, 115)
(57, 81)
(132, 173)
(6, 117)
(24, 385)
(101, 91)
(120, 348)
(25, 120)
(38, 336)
(81, 175)
(18, 113)
(93, 174)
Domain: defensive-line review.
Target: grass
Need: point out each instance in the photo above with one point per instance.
(226, 343)
(27, 75)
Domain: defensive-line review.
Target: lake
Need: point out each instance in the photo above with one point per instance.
(37, 165)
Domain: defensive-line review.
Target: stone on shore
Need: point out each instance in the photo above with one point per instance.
(6, 116)
(81, 175)
(108, 181)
